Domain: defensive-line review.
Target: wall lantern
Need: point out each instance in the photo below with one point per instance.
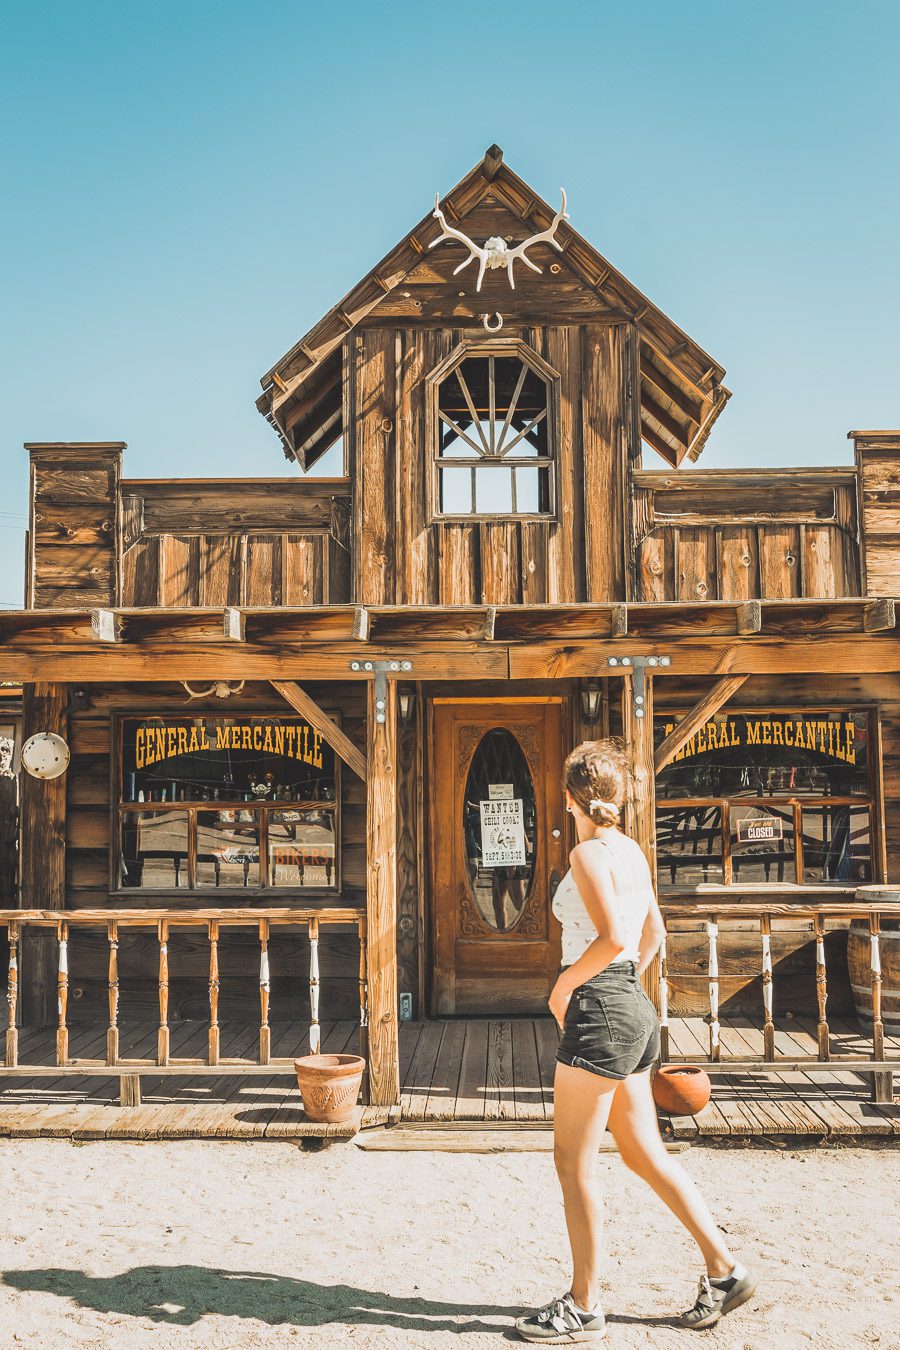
(45, 755)
(591, 701)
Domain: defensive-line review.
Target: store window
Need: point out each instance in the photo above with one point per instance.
(227, 803)
(767, 797)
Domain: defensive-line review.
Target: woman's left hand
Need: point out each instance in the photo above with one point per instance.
(558, 1002)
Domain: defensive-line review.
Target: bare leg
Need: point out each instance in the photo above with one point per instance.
(632, 1120)
(581, 1104)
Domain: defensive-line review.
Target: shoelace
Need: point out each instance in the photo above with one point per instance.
(705, 1301)
(561, 1315)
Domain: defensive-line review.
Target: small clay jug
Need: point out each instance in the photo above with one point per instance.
(681, 1089)
(329, 1085)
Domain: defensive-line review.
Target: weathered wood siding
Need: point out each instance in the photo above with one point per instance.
(878, 466)
(401, 557)
(735, 535)
(73, 537)
(239, 542)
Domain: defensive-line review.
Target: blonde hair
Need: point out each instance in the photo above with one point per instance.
(596, 775)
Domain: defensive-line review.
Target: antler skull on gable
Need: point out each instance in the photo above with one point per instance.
(496, 252)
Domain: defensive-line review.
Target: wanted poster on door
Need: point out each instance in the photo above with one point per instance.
(502, 833)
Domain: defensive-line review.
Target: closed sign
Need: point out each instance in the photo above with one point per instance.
(760, 829)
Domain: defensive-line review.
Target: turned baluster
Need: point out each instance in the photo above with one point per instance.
(363, 1004)
(62, 993)
(265, 1037)
(112, 1034)
(822, 989)
(12, 997)
(663, 1001)
(213, 1056)
(162, 1052)
(314, 1028)
(765, 928)
(882, 1080)
(712, 930)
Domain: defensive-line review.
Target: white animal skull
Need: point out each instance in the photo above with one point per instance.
(496, 252)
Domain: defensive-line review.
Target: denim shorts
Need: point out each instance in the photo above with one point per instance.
(610, 1027)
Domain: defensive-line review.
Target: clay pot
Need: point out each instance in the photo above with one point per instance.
(682, 1089)
(329, 1085)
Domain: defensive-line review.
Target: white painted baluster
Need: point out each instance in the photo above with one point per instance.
(62, 989)
(112, 1031)
(765, 928)
(712, 930)
(822, 989)
(882, 1080)
(663, 1002)
(314, 1028)
(265, 1034)
(12, 997)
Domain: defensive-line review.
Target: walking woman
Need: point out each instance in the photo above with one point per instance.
(611, 930)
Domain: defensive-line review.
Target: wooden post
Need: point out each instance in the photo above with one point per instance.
(381, 898)
(822, 989)
(315, 1030)
(213, 1056)
(43, 855)
(112, 1034)
(765, 928)
(265, 1035)
(12, 996)
(640, 809)
(363, 1007)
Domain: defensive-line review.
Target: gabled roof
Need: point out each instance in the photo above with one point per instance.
(681, 385)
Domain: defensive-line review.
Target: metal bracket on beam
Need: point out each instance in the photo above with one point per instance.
(381, 670)
(637, 665)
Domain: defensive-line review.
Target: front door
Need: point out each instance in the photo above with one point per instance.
(498, 850)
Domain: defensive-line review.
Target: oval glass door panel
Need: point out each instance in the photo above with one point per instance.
(499, 822)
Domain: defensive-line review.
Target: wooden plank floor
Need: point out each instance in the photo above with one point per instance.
(452, 1071)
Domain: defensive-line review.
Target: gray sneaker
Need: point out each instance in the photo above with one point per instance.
(560, 1323)
(714, 1300)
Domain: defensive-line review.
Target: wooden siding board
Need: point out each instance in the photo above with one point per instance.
(565, 545)
(738, 563)
(695, 565)
(374, 434)
(605, 441)
(500, 567)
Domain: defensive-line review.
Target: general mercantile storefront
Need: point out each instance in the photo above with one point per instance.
(314, 728)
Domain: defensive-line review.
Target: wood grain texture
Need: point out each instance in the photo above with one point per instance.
(605, 428)
(381, 899)
(42, 850)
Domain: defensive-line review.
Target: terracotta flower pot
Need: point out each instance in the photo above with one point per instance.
(682, 1089)
(329, 1085)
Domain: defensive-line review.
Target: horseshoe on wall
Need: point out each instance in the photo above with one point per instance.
(497, 326)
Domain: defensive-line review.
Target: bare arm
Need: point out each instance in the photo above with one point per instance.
(652, 934)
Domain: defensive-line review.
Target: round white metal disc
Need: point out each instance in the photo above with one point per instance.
(45, 755)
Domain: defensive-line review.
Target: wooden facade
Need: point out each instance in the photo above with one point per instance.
(410, 629)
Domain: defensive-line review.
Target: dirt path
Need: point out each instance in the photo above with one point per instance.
(201, 1245)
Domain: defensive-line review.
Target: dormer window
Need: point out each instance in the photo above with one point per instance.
(492, 432)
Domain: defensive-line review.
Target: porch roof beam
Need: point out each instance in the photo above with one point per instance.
(301, 702)
(698, 716)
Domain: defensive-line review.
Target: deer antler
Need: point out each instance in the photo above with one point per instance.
(545, 236)
(450, 233)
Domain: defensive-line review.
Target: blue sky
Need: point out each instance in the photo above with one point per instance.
(188, 187)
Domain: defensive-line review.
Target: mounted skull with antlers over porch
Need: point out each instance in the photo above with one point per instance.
(496, 252)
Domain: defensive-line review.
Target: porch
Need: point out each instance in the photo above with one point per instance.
(496, 1076)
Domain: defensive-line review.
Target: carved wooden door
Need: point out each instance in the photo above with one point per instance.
(498, 850)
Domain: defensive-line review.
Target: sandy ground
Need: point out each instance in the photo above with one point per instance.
(206, 1244)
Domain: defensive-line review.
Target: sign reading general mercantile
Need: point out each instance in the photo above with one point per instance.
(824, 736)
(297, 740)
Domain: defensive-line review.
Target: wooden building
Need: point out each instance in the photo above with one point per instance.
(333, 711)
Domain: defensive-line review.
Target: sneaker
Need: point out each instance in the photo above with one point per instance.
(715, 1299)
(561, 1323)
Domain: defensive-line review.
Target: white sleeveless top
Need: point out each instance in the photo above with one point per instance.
(578, 931)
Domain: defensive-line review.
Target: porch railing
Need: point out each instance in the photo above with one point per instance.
(112, 922)
(877, 1064)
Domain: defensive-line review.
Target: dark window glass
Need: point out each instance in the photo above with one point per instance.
(155, 849)
(689, 845)
(836, 844)
(302, 847)
(763, 844)
(499, 820)
(228, 847)
(769, 755)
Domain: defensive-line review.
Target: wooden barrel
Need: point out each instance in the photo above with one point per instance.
(859, 960)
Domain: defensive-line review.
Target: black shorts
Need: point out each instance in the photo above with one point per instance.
(611, 1027)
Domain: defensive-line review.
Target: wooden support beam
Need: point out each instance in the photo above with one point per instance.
(640, 808)
(42, 853)
(749, 617)
(880, 616)
(106, 625)
(619, 621)
(698, 716)
(361, 623)
(301, 702)
(381, 900)
(235, 624)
